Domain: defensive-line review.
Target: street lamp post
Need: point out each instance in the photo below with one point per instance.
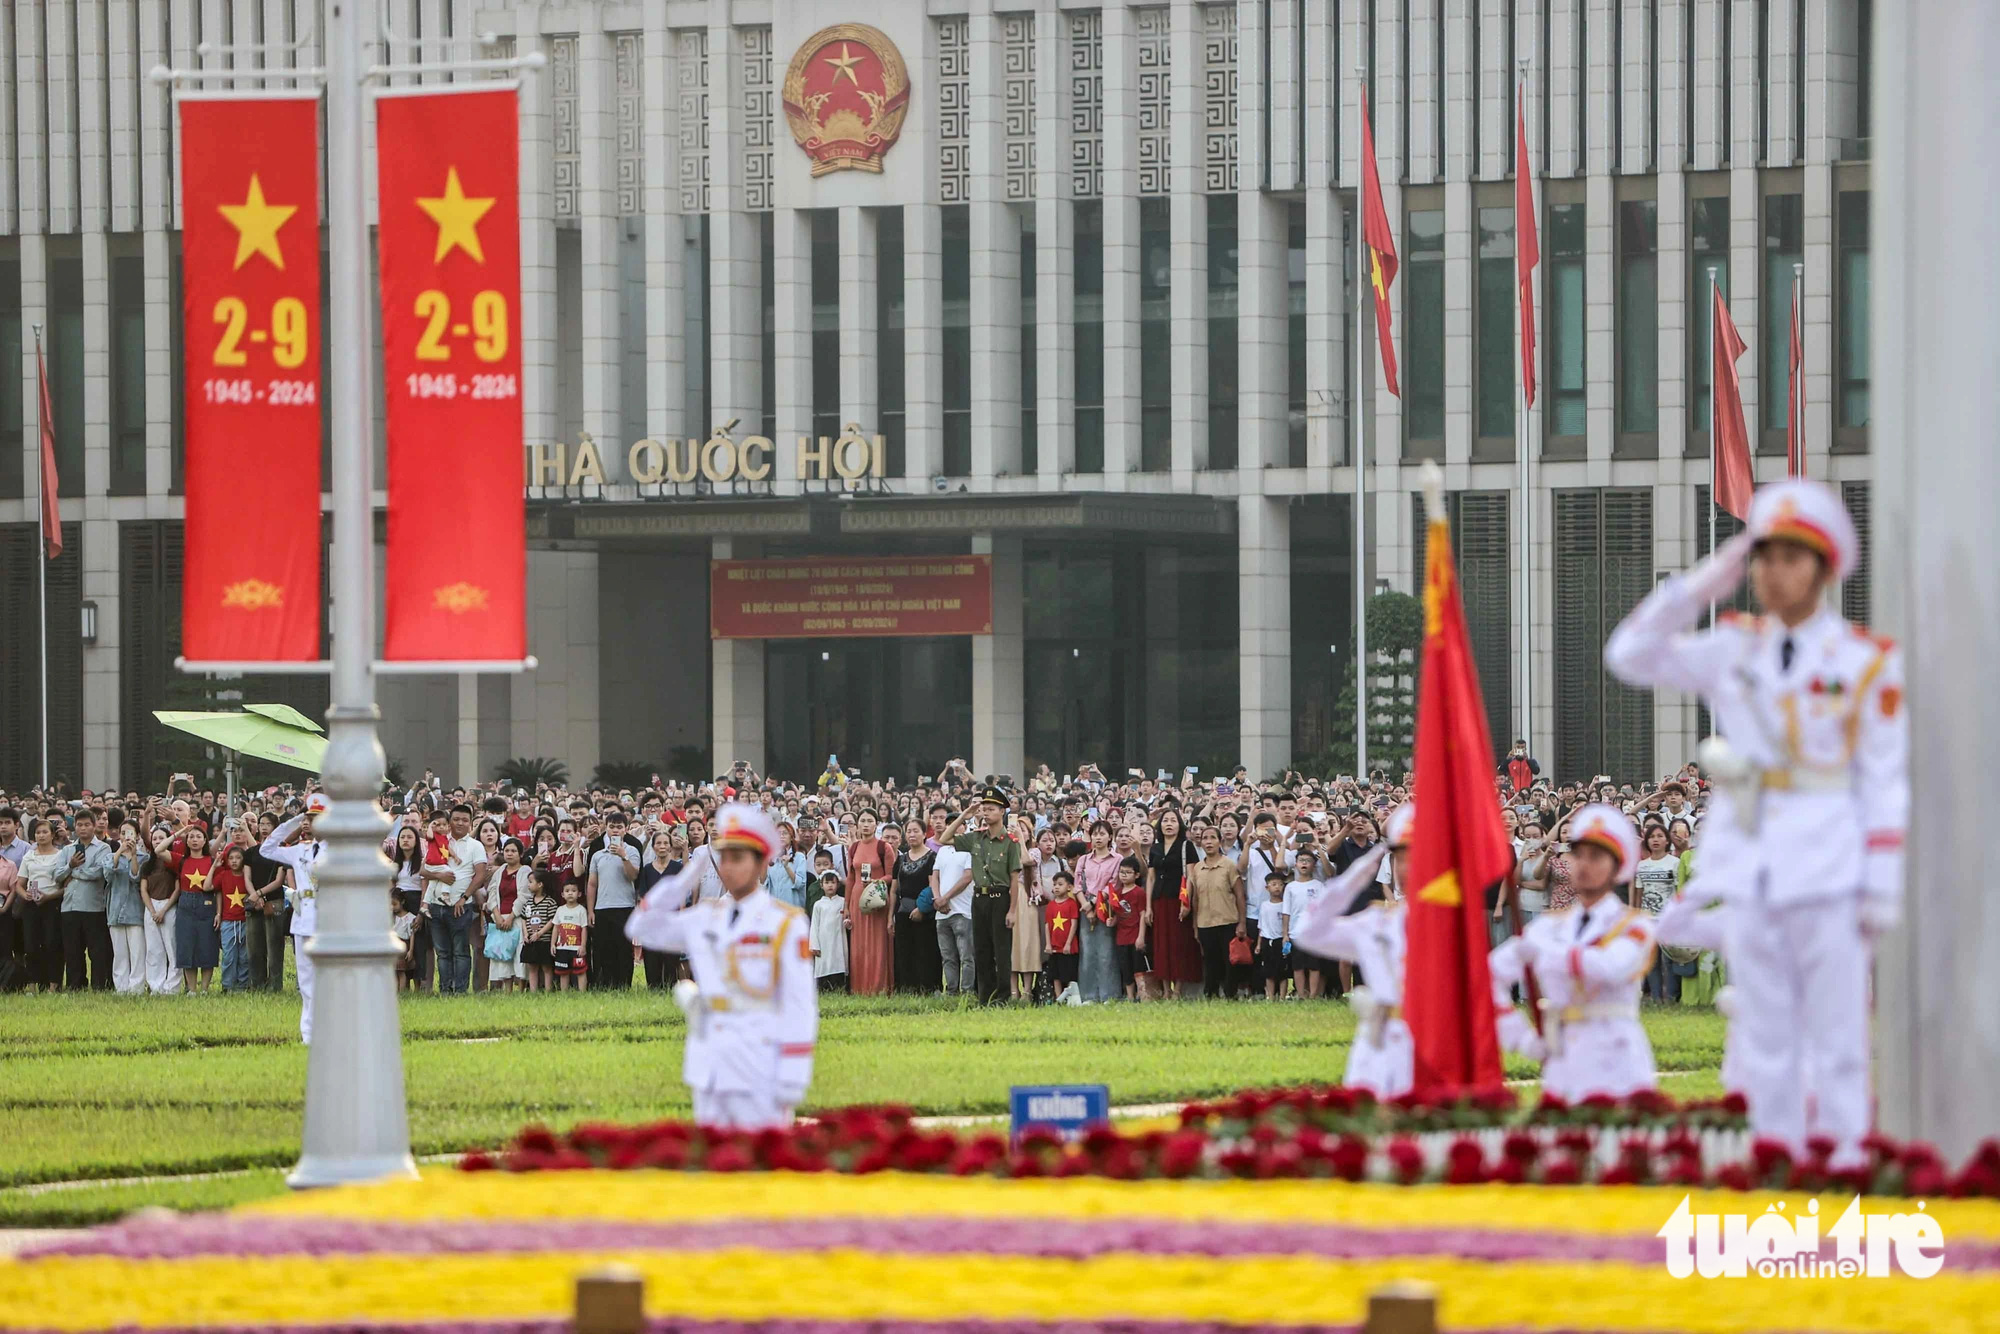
(356, 1122)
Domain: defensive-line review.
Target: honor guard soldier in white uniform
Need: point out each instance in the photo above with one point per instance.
(753, 1006)
(1804, 837)
(1589, 962)
(1382, 1058)
(302, 858)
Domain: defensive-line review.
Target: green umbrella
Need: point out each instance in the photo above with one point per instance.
(261, 733)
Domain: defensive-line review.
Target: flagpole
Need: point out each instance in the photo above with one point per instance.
(1714, 477)
(1797, 393)
(42, 551)
(1360, 476)
(1525, 466)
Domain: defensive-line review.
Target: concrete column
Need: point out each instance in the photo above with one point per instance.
(1746, 83)
(791, 316)
(734, 278)
(1638, 66)
(737, 683)
(1600, 261)
(92, 115)
(996, 265)
(540, 399)
(58, 61)
(31, 124)
(1564, 67)
(1421, 155)
(1460, 412)
(1188, 213)
(860, 387)
(1673, 85)
(1327, 419)
(923, 342)
(1287, 95)
(597, 205)
(554, 710)
(1054, 453)
(1494, 133)
(1936, 338)
(469, 771)
(1711, 135)
(1782, 88)
(999, 698)
(1261, 328)
(667, 408)
(1833, 78)
(1121, 246)
(1264, 632)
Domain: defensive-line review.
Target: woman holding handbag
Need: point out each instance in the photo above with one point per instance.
(919, 966)
(505, 893)
(871, 863)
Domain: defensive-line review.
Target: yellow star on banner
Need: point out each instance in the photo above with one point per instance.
(1443, 890)
(197, 879)
(257, 224)
(457, 218)
(1375, 264)
(844, 63)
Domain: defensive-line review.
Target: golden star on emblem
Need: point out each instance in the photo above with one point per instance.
(197, 879)
(457, 218)
(235, 897)
(1058, 922)
(844, 63)
(257, 224)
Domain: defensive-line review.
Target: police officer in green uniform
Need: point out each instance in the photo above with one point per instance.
(996, 867)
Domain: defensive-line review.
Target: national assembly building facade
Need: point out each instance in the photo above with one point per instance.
(1053, 303)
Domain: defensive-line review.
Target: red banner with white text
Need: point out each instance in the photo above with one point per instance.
(251, 311)
(817, 597)
(450, 246)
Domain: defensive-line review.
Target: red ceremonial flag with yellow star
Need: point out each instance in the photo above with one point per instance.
(450, 246)
(1381, 242)
(1458, 847)
(250, 588)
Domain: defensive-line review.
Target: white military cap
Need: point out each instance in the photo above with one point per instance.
(741, 825)
(1809, 513)
(1396, 829)
(1611, 829)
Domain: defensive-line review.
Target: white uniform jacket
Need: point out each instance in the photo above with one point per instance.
(1823, 811)
(1589, 964)
(1383, 1057)
(303, 859)
(753, 1025)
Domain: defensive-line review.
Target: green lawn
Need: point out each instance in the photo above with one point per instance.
(111, 1086)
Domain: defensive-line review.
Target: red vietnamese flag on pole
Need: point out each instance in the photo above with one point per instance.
(449, 187)
(1795, 393)
(1729, 439)
(251, 322)
(1527, 247)
(1381, 241)
(51, 513)
(1458, 847)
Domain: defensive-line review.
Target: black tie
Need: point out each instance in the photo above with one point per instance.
(735, 911)
(1582, 923)
(1785, 655)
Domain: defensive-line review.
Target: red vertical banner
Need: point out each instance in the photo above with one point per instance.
(251, 311)
(450, 247)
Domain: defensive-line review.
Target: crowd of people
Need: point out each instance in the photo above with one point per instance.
(1071, 887)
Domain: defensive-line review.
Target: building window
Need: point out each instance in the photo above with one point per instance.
(1710, 225)
(1851, 225)
(957, 340)
(890, 382)
(1030, 416)
(1638, 318)
(1495, 354)
(1714, 526)
(1156, 368)
(1222, 292)
(1296, 411)
(128, 375)
(1422, 358)
(825, 224)
(1568, 364)
(767, 284)
(1603, 566)
(1854, 600)
(65, 362)
(13, 421)
(1088, 278)
(1479, 523)
(1784, 246)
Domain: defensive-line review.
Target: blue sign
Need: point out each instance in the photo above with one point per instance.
(1067, 1109)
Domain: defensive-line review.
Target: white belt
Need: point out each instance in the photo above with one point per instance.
(1556, 1017)
(1801, 778)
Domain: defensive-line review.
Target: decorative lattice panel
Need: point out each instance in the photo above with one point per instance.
(954, 110)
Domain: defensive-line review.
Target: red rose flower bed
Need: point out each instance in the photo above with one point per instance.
(1272, 1134)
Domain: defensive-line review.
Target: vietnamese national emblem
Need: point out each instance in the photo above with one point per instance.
(846, 94)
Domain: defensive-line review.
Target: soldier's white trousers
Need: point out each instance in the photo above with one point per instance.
(1384, 1068)
(1800, 1034)
(740, 1111)
(302, 955)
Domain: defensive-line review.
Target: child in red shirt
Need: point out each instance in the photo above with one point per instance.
(1130, 934)
(231, 889)
(1061, 914)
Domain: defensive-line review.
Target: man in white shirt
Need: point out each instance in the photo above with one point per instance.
(951, 896)
(449, 905)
